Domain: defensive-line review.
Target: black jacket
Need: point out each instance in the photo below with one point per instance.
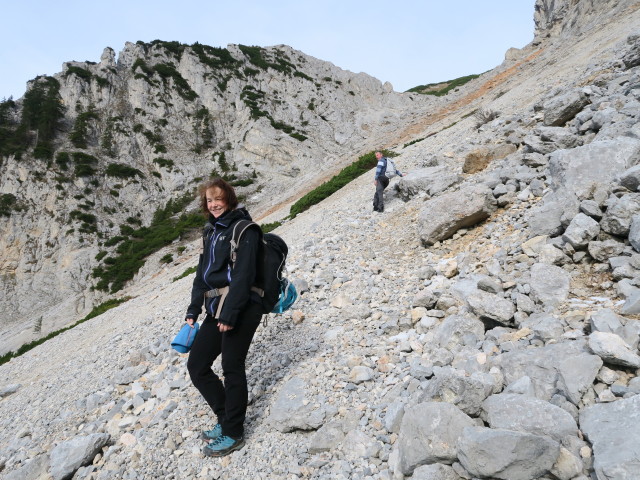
(214, 268)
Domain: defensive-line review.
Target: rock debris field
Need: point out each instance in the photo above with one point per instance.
(484, 326)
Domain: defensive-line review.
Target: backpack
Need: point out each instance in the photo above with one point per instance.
(276, 292)
(390, 172)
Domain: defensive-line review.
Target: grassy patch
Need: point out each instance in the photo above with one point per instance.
(120, 170)
(186, 273)
(413, 142)
(442, 88)
(139, 243)
(99, 310)
(268, 227)
(8, 204)
(80, 130)
(362, 165)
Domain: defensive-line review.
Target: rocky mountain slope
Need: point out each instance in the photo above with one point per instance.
(484, 326)
(111, 143)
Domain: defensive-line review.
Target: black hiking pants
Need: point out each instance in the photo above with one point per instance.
(228, 400)
(378, 199)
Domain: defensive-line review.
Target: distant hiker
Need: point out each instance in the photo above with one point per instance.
(385, 170)
(229, 330)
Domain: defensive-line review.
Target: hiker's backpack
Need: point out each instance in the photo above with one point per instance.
(276, 292)
(390, 172)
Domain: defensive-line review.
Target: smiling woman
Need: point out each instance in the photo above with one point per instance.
(232, 314)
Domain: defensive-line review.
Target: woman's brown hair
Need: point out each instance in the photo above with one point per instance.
(227, 191)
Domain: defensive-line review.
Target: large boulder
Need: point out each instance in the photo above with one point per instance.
(457, 331)
(489, 306)
(70, 455)
(549, 284)
(542, 418)
(567, 368)
(614, 431)
(580, 231)
(429, 434)
(431, 180)
(547, 218)
(292, 409)
(443, 216)
(613, 349)
(619, 215)
(465, 391)
(561, 108)
(506, 454)
(580, 170)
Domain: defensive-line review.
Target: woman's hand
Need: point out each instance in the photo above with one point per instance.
(223, 327)
(190, 321)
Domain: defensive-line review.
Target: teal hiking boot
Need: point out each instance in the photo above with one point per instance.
(222, 446)
(213, 434)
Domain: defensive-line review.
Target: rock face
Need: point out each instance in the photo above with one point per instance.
(505, 346)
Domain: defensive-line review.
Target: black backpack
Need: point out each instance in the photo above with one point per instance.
(272, 255)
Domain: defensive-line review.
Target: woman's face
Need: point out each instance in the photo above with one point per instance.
(216, 202)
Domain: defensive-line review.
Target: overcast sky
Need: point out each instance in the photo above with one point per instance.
(405, 42)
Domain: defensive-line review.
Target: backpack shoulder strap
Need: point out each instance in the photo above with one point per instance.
(239, 228)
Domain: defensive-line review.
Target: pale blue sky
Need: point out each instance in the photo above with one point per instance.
(405, 42)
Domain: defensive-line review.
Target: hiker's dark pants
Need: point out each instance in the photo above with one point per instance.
(378, 199)
(228, 400)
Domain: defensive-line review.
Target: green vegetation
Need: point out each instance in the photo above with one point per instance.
(222, 161)
(120, 170)
(168, 258)
(62, 160)
(166, 71)
(164, 163)
(202, 129)
(176, 48)
(268, 227)
(79, 72)
(142, 242)
(99, 310)
(42, 110)
(242, 182)
(8, 204)
(362, 165)
(302, 75)
(413, 141)
(84, 164)
(13, 136)
(216, 58)
(298, 136)
(257, 56)
(107, 144)
(89, 222)
(187, 272)
(442, 88)
(142, 65)
(78, 135)
(252, 99)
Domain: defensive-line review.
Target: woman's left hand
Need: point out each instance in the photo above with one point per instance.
(223, 327)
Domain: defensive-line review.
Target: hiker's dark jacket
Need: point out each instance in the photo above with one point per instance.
(214, 268)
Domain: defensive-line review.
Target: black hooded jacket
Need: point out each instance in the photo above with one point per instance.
(214, 268)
